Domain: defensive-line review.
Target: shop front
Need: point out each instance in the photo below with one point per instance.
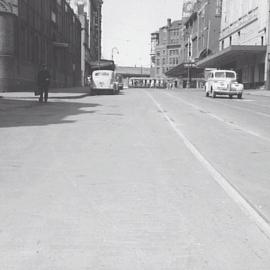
(247, 60)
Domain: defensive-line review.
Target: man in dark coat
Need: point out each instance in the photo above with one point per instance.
(43, 82)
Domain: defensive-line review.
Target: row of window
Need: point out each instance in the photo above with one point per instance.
(170, 52)
(66, 24)
(172, 61)
(37, 32)
(174, 52)
(174, 32)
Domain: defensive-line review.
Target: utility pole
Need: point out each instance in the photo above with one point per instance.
(268, 49)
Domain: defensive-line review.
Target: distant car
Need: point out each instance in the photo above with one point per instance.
(120, 82)
(104, 80)
(223, 82)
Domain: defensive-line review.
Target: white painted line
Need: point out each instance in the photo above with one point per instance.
(235, 126)
(231, 191)
(245, 109)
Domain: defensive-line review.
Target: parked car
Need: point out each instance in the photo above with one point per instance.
(223, 82)
(104, 80)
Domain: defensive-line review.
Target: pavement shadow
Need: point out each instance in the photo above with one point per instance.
(17, 112)
(53, 96)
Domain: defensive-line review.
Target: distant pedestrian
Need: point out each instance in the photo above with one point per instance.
(43, 83)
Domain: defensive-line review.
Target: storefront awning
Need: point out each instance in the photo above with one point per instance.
(185, 70)
(230, 54)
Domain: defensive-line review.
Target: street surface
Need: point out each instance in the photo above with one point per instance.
(149, 179)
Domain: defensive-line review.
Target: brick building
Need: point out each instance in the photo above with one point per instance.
(35, 32)
(166, 47)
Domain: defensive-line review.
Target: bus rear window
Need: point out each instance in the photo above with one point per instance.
(97, 74)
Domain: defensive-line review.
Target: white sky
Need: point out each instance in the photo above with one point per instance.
(127, 25)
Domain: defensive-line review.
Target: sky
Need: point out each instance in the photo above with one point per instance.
(128, 24)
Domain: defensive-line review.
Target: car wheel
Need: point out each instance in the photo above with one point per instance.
(239, 96)
(213, 94)
(230, 96)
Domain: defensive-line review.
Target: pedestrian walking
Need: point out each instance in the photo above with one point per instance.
(43, 83)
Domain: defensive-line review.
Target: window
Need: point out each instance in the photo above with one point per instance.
(219, 8)
(53, 16)
(97, 74)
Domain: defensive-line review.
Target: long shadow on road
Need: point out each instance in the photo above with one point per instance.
(16, 112)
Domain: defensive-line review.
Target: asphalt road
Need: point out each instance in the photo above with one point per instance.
(149, 179)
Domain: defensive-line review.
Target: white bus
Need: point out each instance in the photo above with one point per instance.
(104, 80)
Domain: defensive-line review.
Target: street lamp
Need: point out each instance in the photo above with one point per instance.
(114, 49)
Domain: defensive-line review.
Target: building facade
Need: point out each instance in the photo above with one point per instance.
(93, 11)
(165, 48)
(89, 13)
(36, 32)
(202, 29)
(242, 41)
(200, 38)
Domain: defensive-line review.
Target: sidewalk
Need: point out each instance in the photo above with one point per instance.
(257, 92)
(53, 93)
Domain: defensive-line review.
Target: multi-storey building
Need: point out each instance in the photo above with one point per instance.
(85, 48)
(200, 38)
(202, 28)
(36, 32)
(93, 10)
(242, 41)
(166, 45)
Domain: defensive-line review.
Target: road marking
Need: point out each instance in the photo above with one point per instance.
(245, 109)
(245, 100)
(235, 126)
(230, 190)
